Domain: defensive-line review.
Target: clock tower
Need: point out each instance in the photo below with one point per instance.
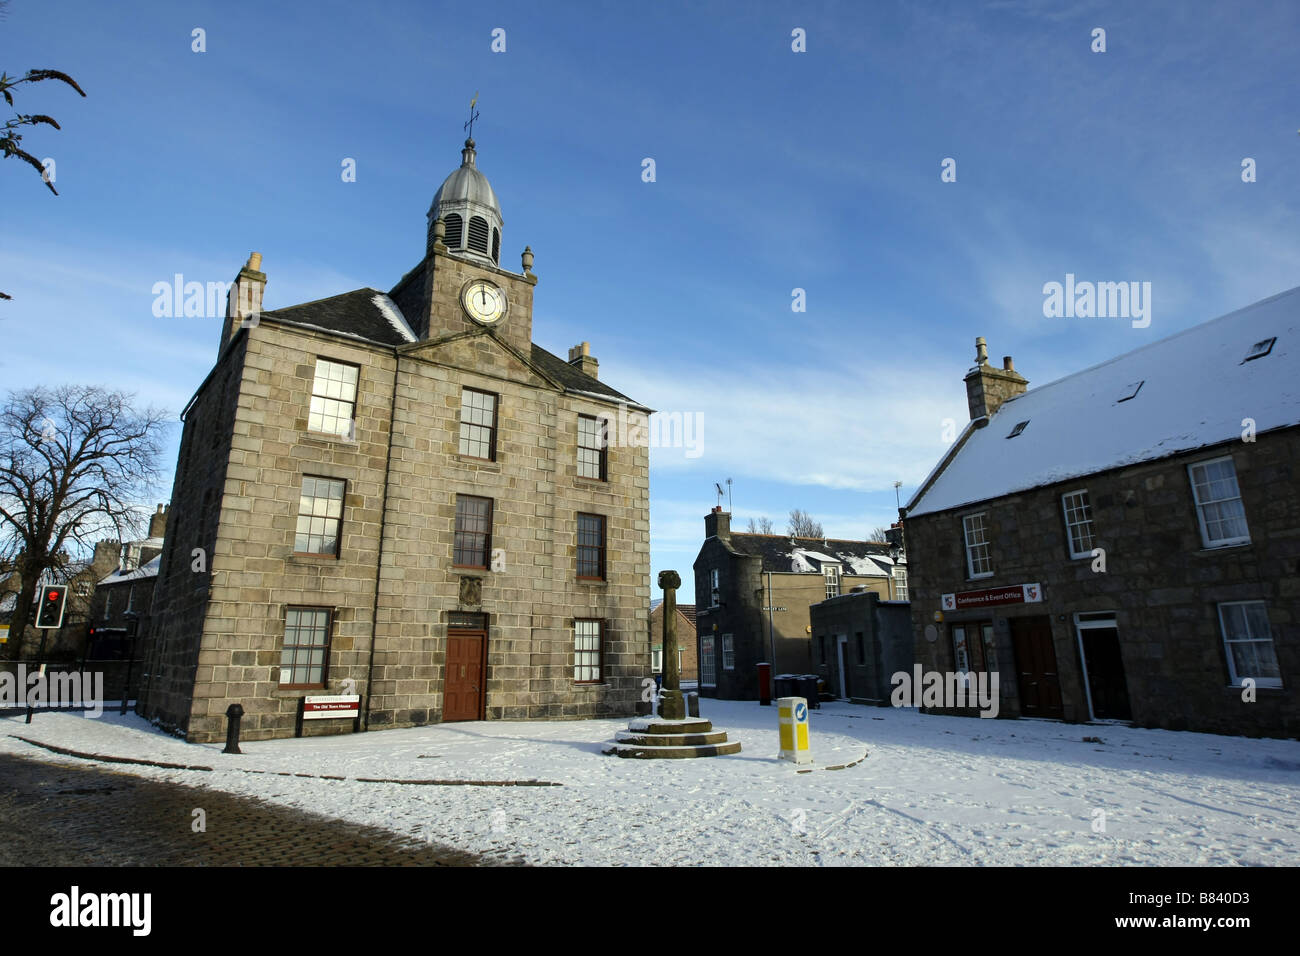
(460, 287)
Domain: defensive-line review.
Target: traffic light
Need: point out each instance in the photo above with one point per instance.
(50, 614)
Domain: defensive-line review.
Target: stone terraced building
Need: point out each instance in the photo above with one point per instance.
(400, 494)
(1123, 544)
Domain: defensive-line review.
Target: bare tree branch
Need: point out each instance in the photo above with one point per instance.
(802, 525)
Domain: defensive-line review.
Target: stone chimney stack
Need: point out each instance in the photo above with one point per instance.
(580, 357)
(244, 300)
(158, 522)
(717, 524)
(107, 559)
(988, 387)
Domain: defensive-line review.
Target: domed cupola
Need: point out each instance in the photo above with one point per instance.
(467, 205)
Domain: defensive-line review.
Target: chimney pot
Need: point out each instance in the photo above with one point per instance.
(580, 356)
(244, 300)
(717, 523)
(988, 386)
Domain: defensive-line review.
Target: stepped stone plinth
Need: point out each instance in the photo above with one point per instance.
(655, 737)
(671, 735)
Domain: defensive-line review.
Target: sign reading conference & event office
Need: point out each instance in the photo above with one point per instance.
(992, 597)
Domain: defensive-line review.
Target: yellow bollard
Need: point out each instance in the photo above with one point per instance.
(792, 718)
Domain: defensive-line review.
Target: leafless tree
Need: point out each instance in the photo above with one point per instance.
(762, 526)
(802, 525)
(75, 461)
(878, 533)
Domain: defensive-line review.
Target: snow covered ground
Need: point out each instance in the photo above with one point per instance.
(933, 790)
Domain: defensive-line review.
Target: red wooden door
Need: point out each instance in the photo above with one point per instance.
(462, 687)
(1036, 673)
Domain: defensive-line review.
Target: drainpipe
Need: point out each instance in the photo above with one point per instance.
(771, 627)
(383, 520)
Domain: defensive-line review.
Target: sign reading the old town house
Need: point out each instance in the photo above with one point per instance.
(344, 705)
(989, 597)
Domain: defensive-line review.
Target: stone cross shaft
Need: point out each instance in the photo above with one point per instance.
(672, 706)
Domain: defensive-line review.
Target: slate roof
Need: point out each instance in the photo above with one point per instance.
(354, 314)
(1190, 390)
(147, 570)
(573, 378)
(688, 612)
(359, 315)
(807, 555)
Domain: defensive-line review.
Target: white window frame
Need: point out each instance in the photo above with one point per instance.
(900, 584)
(831, 577)
(584, 670)
(331, 393)
(708, 662)
(715, 586)
(1084, 507)
(728, 652)
(656, 659)
(1201, 505)
(971, 545)
(1235, 677)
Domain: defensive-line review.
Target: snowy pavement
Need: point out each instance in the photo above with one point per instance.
(933, 790)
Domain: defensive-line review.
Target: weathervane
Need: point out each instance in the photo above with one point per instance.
(473, 115)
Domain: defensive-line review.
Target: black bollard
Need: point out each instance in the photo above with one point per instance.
(233, 713)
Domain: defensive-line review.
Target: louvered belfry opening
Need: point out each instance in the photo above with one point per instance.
(478, 234)
(454, 227)
(496, 246)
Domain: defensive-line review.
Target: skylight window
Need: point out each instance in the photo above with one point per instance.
(1260, 349)
(1018, 429)
(1130, 391)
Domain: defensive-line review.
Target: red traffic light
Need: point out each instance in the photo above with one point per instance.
(50, 613)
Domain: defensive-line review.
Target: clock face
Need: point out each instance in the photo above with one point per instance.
(484, 301)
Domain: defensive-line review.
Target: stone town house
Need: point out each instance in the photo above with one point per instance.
(402, 492)
(127, 593)
(739, 576)
(687, 662)
(1124, 543)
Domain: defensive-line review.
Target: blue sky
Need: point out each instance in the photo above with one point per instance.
(775, 170)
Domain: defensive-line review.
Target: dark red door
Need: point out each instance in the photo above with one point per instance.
(1036, 673)
(462, 689)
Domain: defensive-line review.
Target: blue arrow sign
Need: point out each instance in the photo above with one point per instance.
(800, 711)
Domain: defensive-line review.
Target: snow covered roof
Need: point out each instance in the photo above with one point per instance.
(147, 570)
(808, 555)
(365, 314)
(1188, 391)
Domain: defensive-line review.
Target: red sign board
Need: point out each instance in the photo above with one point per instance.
(317, 708)
(991, 597)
